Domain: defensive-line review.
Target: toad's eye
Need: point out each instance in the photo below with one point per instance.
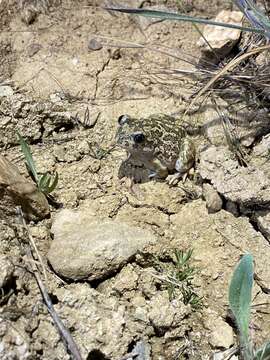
(138, 138)
(123, 119)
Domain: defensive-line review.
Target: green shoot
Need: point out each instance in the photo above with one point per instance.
(180, 17)
(179, 279)
(240, 292)
(31, 167)
(45, 183)
(240, 301)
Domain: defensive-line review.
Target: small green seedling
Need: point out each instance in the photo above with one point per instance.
(179, 279)
(46, 183)
(240, 292)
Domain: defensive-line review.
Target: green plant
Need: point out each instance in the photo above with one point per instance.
(240, 292)
(46, 183)
(179, 278)
(257, 19)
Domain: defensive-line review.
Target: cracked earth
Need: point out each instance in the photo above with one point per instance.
(72, 72)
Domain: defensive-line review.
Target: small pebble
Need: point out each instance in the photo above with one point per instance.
(94, 45)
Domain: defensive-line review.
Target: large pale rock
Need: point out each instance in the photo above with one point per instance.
(87, 248)
(221, 39)
(248, 186)
(16, 190)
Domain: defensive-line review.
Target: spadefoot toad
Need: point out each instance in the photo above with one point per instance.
(160, 143)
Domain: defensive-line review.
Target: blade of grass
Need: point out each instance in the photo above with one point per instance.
(54, 183)
(263, 353)
(180, 17)
(254, 15)
(28, 156)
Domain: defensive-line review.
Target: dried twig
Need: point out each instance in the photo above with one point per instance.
(63, 331)
(231, 65)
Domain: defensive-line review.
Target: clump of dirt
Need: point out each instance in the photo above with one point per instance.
(67, 73)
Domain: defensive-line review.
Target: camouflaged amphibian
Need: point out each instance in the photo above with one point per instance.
(159, 142)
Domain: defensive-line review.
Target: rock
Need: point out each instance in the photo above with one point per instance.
(164, 313)
(87, 248)
(94, 45)
(247, 186)
(221, 39)
(141, 351)
(33, 49)
(6, 90)
(263, 222)
(247, 126)
(212, 198)
(126, 280)
(221, 336)
(16, 190)
(7, 269)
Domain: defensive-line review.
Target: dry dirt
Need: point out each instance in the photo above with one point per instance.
(76, 60)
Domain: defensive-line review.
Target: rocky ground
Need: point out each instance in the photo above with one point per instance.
(68, 70)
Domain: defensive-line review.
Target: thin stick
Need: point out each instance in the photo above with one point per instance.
(33, 244)
(63, 331)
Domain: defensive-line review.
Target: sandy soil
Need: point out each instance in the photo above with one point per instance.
(74, 69)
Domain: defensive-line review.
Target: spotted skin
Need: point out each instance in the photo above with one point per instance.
(160, 143)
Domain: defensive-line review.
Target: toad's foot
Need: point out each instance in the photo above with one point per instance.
(174, 179)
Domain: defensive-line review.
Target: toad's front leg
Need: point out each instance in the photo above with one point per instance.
(158, 170)
(184, 163)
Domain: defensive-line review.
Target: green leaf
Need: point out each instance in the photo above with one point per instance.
(180, 17)
(54, 183)
(28, 156)
(263, 353)
(47, 184)
(240, 295)
(43, 182)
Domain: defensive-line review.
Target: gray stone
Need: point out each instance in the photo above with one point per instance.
(94, 45)
(212, 198)
(221, 39)
(87, 248)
